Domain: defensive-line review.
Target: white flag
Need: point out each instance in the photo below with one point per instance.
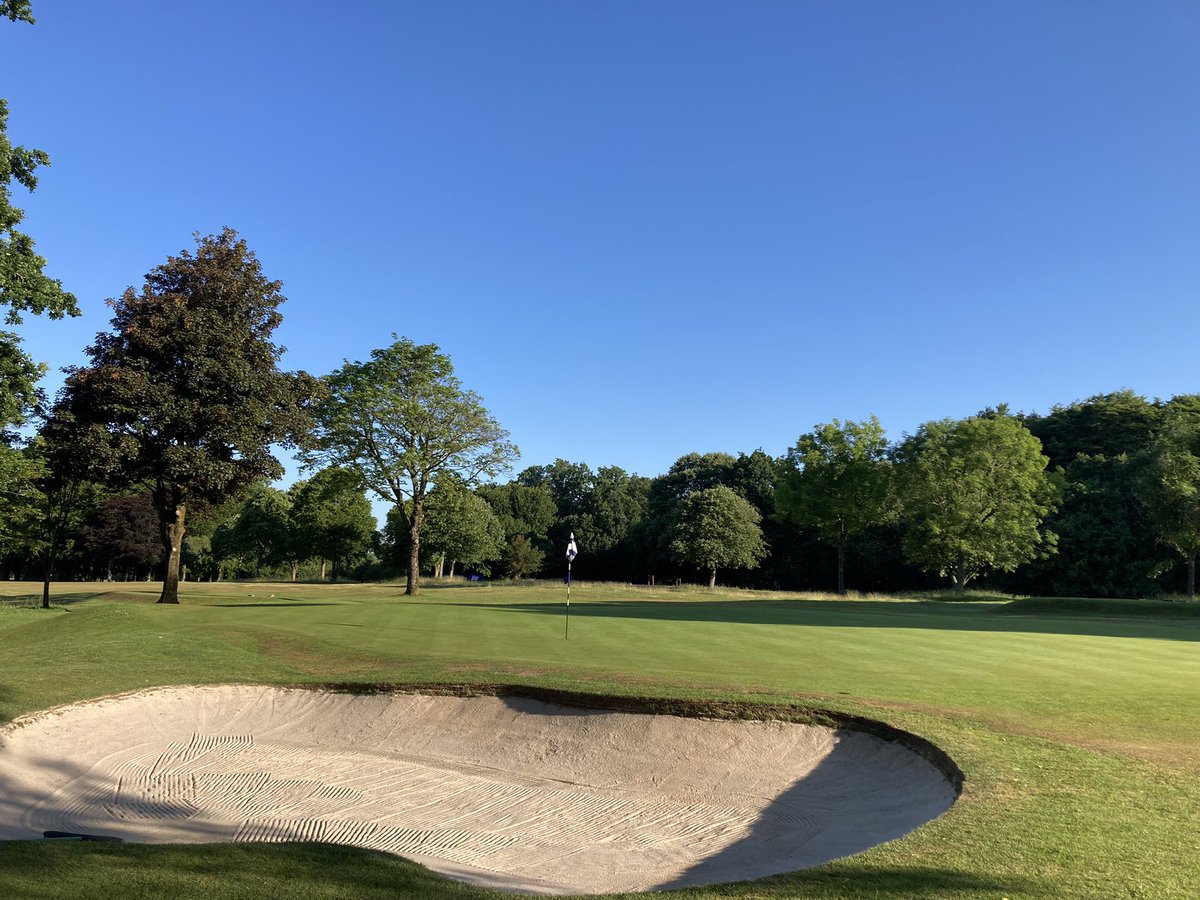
(571, 551)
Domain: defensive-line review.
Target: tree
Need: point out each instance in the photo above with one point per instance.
(522, 558)
(20, 499)
(332, 518)
(402, 420)
(838, 480)
(1107, 545)
(1171, 490)
(460, 527)
(19, 376)
(185, 392)
(570, 485)
(975, 493)
(617, 503)
(717, 528)
(1104, 425)
(263, 535)
(1106, 539)
(520, 508)
(122, 532)
(691, 472)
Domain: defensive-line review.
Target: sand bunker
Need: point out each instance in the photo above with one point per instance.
(506, 792)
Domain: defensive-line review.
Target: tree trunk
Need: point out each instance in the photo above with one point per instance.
(173, 544)
(712, 578)
(453, 563)
(414, 557)
(295, 570)
(1191, 576)
(437, 569)
(47, 571)
(841, 570)
(960, 574)
(322, 570)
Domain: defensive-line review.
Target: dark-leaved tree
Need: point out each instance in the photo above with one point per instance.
(185, 393)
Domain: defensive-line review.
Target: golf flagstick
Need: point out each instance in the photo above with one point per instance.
(571, 554)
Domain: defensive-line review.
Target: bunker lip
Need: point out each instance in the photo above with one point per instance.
(509, 786)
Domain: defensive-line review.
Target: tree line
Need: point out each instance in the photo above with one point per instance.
(156, 460)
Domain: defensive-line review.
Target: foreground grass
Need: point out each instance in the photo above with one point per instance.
(1077, 723)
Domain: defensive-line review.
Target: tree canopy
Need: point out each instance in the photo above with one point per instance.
(838, 480)
(184, 394)
(717, 528)
(332, 518)
(1171, 486)
(402, 420)
(975, 493)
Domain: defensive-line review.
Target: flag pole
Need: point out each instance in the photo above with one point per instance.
(571, 554)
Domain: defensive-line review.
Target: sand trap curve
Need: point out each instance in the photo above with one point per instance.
(506, 792)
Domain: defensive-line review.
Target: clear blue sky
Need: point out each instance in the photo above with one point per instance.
(642, 229)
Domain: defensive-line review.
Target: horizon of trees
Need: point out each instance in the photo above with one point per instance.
(1103, 495)
(182, 403)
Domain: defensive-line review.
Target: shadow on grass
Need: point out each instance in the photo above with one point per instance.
(44, 870)
(871, 614)
(849, 880)
(41, 870)
(289, 604)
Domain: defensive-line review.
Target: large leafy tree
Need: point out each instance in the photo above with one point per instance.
(1107, 545)
(521, 508)
(402, 420)
(122, 534)
(975, 494)
(332, 518)
(20, 498)
(19, 376)
(616, 504)
(717, 528)
(460, 527)
(262, 535)
(838, 480)
(1171, 489)
(70, 469)
(570, 485)
(690, 473)
(185, 394)
(1106, 539)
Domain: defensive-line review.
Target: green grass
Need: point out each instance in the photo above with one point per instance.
(1076, 722)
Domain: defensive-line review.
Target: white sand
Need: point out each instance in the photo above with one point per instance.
(499, 791)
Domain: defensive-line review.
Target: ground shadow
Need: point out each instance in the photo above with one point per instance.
(988, 617)
(864, 793)
(288, 604)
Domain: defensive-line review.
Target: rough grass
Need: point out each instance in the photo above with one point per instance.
(1077, 723)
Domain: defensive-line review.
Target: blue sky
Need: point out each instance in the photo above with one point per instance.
(642, 229)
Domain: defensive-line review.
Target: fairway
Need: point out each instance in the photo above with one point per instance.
(1076, 726)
